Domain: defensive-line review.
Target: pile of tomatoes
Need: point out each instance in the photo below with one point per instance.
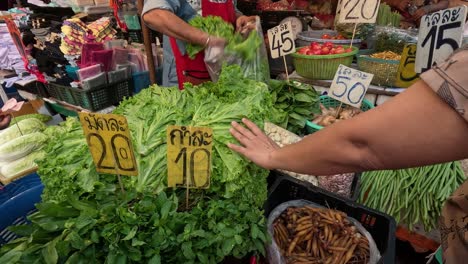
(326, 36)
(323, 49)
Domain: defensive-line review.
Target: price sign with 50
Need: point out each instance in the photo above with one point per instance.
(349, 85)
(281, 40)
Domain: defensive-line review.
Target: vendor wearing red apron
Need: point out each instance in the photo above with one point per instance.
(170, 18)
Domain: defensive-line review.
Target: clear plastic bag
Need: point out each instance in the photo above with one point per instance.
(255, 68)
(273, 252)
(392, 39)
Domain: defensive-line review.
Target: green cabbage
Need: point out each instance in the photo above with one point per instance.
(26, 126)
(21, 165)
(43, 118)
(22, 146)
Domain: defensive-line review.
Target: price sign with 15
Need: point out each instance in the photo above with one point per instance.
(281, 40)
(110, 143)
(357, 11)
(406, 75)
(189, 155)
(349, 85)
(440, 34)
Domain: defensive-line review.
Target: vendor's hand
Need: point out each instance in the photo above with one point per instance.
(401, 5)
(216, 42)
(255, 145)
(5, 120)
(420, 13)
(245, 24)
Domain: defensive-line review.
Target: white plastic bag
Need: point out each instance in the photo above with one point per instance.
(273, 252)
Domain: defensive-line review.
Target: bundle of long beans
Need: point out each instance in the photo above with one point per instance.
(386, 17)
(319, 235)
(413, 195)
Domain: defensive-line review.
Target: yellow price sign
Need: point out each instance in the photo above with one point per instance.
(407, 75)
(110, 143)
(189, 152)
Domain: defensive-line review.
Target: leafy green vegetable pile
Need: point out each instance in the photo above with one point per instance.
(298, 100)
(413, 195)
(85, 218)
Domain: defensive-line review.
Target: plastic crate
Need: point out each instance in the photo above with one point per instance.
(321, 67)
(92, 99)
(327, 101)
(17, 201)
(141, 80)
(354, 193)
(119, 90)
(61, 92)
(381, 226)
(35, 87)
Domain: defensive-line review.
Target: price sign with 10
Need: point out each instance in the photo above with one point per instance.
(189, 151)
(357, 11)
(281, 40)
(440, 34)
(110, 143)
(349, 86)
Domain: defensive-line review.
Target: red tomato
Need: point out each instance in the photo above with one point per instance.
(316, 47)
(340, 37)
(348, 50)
(339, 51)
(303, 50)
(317, 52)
(326, 36)
(314, 44)
(328, 45)
(310, 52)
(325, 51)
(339, 47)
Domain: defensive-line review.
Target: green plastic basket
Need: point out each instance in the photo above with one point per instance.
(385, 71)
(321, 67)
(327, 101)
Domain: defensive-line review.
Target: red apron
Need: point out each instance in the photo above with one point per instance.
(194, 71)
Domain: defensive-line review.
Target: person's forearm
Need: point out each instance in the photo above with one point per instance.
(413, 129)
(171, 25)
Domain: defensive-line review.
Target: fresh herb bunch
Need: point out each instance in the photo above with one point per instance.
(300, 101)
(85, 218)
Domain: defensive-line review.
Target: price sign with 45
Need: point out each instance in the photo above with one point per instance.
(440, 34)
(281, 40)
(349, 85)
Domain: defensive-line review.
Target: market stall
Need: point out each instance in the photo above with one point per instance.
(101, 164)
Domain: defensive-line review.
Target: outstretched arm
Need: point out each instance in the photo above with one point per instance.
(414, 128)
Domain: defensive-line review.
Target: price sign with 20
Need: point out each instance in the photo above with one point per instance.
(281, 40)
(357, 11)
(440, 34)
(349, 85)
(109, 141)
(189, 156)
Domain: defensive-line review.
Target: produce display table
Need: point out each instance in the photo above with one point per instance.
(375, 94)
